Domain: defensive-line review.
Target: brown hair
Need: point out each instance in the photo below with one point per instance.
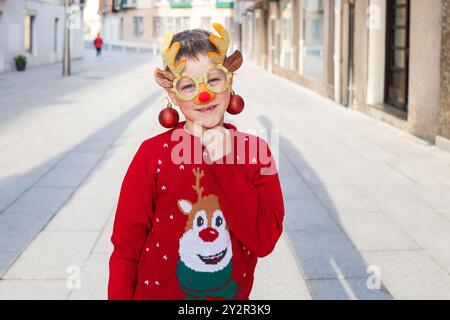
(192, 43)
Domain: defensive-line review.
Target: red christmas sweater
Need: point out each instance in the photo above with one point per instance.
(189, 228)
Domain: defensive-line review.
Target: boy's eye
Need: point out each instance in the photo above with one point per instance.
(200, 221)
(187, 87)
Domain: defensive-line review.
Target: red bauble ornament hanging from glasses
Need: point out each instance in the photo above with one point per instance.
(236, 104)
(168, 117)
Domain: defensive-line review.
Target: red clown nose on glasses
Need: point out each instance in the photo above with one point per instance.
(204, 96)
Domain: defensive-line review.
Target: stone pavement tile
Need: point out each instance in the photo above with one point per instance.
(6, 260)
(307, 214)
(410, 274)
(278, 276)
(408, 211)
(346, 289)
(294, 187)
(436, 196)
(424, 173)
(399, 146)
(98, 186)
(33, 290)
(85, 160)
(374, 231)
(326, 254)
(93, 279)
(285, 169)
(445, 214)
(99, 144)
(12, 187)
(429, 229)
(104, 244)
(377, 185)
(34, 161)
(63, 177)
(339, 199)
(82, 214)
(317, 177)
(17, 238)
(371, 152)
(39, 200)
(51, 254)
(435, 241)
(394, 175)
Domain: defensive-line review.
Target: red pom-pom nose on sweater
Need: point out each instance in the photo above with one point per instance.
(208, 234)
(204, 96)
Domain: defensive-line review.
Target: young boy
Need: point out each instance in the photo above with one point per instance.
(201, 202)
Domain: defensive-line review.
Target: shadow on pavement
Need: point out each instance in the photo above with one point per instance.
(29, 201)
(331, 265)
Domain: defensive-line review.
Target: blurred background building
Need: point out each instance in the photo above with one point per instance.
(35, 28)
(387, 58)
(147, 21)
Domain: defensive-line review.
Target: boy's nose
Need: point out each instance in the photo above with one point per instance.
(209, 234)
(205, 95)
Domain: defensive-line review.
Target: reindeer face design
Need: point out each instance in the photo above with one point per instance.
(205, 245)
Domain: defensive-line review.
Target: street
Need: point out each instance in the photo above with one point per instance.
(367, 204)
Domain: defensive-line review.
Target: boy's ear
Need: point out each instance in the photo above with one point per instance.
(233, 62)
(164, 78)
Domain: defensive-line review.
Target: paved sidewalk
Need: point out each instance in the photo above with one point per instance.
(358, 193)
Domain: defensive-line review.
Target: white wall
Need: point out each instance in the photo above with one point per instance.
(92, 24)
(13, 32)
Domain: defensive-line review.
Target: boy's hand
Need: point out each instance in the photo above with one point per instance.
(217, 142)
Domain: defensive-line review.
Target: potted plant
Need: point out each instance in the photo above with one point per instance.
(21, 62)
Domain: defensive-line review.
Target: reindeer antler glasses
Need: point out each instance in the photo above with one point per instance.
(217, 78)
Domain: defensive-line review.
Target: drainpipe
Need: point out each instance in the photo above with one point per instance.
(66, 50)
(337, 50)
(351, 17)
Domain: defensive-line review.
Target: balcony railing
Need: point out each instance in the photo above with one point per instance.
(180, 4)
(224, 3)
(128, 4)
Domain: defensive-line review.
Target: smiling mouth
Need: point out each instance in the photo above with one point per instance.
(207, 109)
(214, 259)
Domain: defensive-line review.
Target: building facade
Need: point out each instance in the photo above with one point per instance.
(35, 28)
(386, 58)
(147, 21)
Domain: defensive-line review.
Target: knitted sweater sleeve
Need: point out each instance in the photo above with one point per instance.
(131, 225)
(253, 208)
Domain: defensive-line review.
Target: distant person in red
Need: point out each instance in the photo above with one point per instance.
(98, 43)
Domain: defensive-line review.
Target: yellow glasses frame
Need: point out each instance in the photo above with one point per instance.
(199, 80)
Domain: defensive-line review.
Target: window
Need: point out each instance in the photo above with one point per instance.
(29, 24)
(313, 36)
(157, 27)
(397, 53)
(205, 23)
(181, 23)
(138, 26)
(287, 34)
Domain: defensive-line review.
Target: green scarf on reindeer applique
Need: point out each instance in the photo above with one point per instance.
(198, 285)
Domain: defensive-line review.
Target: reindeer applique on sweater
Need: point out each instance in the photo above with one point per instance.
(205, 265)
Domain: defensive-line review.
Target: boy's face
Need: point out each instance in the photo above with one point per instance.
(194, 110)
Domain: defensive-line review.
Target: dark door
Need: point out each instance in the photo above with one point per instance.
(397, 53)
